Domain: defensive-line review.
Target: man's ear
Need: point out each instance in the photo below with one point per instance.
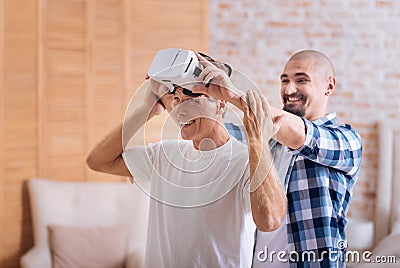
(221, 106)
(331, 83)
(331, 86)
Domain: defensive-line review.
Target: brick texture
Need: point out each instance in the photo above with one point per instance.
(361, 37)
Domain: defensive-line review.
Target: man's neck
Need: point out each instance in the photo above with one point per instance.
(215, 139)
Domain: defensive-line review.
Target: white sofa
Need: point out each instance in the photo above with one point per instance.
(86, 204)
(386, 222)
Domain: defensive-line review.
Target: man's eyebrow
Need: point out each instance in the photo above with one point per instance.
(296, 74)
(301, 74)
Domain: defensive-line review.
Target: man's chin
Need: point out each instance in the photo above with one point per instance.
(185, 136)
(296, 111)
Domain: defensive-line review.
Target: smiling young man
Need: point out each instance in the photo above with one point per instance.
(318, 162)
(208, 192)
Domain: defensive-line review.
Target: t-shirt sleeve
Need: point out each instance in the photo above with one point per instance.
(140, 161)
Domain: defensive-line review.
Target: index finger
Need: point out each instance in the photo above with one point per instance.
(203, 60)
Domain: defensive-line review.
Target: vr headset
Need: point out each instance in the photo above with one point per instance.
(175, 67)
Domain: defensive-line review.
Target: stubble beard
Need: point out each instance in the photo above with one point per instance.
(296, 111)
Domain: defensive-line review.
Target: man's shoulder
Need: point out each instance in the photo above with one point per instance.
(331, 123)
(175, 144)
(238, 145)
(168, 145)
(237, 131)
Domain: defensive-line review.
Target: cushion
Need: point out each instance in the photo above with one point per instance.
(87, 246)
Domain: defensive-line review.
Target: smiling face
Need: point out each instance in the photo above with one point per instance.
(306, 83)
(199, 118)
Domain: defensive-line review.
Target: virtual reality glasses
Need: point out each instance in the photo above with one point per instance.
(176, 67)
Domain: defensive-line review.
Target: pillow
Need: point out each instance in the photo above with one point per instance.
(104, 247)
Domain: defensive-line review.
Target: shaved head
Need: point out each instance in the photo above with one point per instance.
(321, 60)
(307, 81)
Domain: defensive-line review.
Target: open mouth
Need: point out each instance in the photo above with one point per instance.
(293, 99)
(187, 123)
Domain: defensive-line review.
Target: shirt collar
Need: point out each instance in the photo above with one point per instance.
(326, 120)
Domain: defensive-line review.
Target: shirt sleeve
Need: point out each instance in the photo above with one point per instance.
(237, 131)
(333, 146)
(140, 161)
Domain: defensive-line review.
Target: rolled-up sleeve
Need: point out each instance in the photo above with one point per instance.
(336, 146)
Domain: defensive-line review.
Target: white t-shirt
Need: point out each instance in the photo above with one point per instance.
(271, 248)
(200, 214)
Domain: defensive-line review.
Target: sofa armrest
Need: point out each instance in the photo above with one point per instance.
(36, 257)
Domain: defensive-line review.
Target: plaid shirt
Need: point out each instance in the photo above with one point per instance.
(319, 185)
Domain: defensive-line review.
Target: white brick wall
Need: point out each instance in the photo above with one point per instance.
(362, 37)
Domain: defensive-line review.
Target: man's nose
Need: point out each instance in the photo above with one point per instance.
(290, 88)
(179, 106)
(180, 109)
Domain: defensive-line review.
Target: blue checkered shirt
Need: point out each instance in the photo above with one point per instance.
(319, 184)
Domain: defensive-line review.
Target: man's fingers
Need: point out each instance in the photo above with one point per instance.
(265, 104)
(245, 105)
(200, 89)
(251, 101)
(157, 88)
(206, 75)
(255, 103)
(268, 124)
(203, 61)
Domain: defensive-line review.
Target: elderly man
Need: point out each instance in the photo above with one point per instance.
(207, 190)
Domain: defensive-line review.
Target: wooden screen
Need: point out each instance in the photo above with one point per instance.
(67, 71)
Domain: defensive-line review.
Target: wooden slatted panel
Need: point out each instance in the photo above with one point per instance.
(2, 103)
(19, 125)
(104, 71)
(108, 92)
(156, 25)
(63, 103)
(108, 63)
(70, 68)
